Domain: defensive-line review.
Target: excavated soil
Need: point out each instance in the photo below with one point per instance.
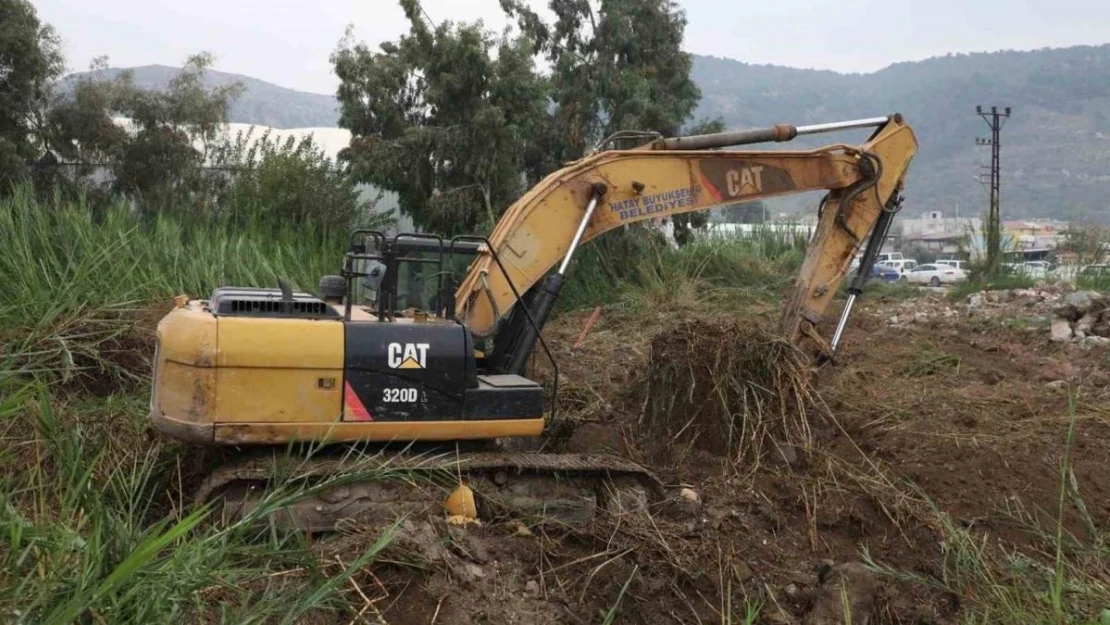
(955, 412)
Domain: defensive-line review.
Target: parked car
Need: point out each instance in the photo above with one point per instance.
(1038, 268)
(958, 264)
(882, 257)
(901, 265)
(884, 273)
(935, 275)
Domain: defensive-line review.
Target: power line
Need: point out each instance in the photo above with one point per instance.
(995, 120)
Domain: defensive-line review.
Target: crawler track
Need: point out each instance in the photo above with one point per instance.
(569, 488)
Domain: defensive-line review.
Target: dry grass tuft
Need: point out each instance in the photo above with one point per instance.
(731, 388)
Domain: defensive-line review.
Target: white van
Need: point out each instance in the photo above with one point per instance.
(879, 259)
(901, 265)
(958, 264)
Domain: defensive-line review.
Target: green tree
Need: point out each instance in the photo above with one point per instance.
(79, 123)
(438, 119)
(30, 59)
(159, 158)
(616, 65)
(292, 181)
(457, 131)
(175, 133)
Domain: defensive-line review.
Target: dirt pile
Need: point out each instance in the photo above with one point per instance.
(1037, 304)
(1013, 302)
(733, 388)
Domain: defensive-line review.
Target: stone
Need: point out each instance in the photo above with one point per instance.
(1085, 323)
(532, 588)
(861, 587)
(894, 320)
(474, 570)
(975, 302)
(1057, 385)
(690, 495)
(920, 317)
(1061, 330)
(786, 453)
(1081, 300)
(778, 616)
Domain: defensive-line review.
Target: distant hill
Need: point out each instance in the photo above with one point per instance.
(262, 103)
(1055, 147)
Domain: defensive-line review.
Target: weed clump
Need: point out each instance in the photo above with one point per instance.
(736, 389)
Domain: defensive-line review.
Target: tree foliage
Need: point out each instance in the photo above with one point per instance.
(163, 149)
(292, 181)
(458, 122)
(616, 65)
(439, 120)
(160, 157)
(30, 59)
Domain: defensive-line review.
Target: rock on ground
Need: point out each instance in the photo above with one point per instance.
(1061, 329)
(860, 586)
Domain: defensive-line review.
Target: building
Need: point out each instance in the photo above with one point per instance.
(934, 222)
(942, 244)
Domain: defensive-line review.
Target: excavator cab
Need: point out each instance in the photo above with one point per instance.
(400, 276)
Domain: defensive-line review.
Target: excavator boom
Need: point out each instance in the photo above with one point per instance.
(666, 177)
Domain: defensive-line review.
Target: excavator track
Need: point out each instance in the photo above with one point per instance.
(375, 489)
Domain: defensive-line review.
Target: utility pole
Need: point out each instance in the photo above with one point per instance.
(995, 120)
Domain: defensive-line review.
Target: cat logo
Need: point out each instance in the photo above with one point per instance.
(408, 355)
(744, 182)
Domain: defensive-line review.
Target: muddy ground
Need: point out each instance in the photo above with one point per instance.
(965, 412)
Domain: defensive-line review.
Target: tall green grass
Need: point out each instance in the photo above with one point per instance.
(72, 279)
(638, 268)
(86, 535)
(93, 526)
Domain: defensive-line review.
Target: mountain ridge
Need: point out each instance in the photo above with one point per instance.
(1055, 146)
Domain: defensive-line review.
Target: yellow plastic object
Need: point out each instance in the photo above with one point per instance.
(460, 506)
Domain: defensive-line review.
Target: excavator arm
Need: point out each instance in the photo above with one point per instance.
(665, 177)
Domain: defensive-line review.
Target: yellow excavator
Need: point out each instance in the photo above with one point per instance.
(394, 351)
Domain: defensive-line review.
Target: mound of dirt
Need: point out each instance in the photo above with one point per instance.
(730, 388)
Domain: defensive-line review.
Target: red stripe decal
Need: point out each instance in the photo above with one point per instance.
(354, 410)
(713, 190)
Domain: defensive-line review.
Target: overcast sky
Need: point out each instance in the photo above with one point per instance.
(288, 42)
